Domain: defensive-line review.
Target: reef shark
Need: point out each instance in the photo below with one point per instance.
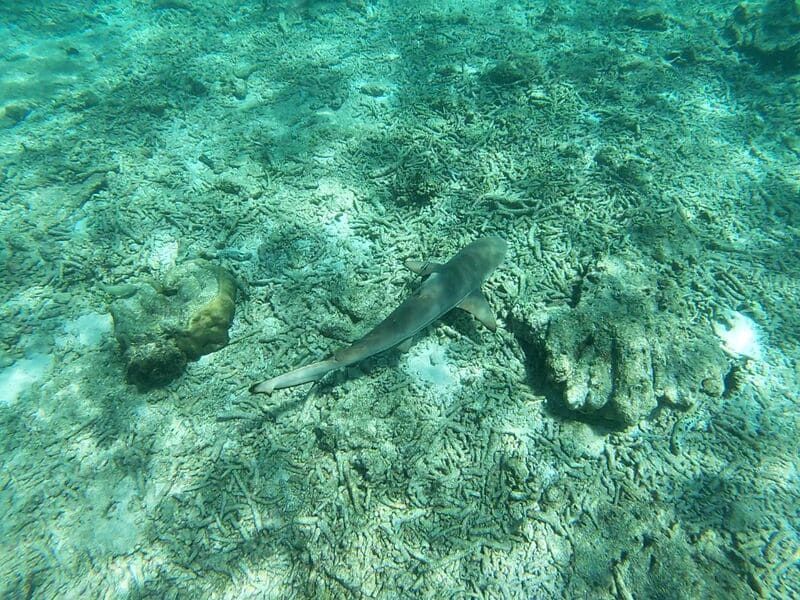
(456, 283)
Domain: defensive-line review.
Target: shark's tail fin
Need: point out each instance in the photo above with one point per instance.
(298, 376)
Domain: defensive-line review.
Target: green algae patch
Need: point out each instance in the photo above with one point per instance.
(208, 326)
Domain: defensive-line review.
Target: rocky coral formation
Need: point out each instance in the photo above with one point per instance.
(770, 35)
(615, 354)
(162, 325)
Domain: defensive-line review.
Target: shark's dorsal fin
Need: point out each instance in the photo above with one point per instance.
(477, 305)
(422, 268)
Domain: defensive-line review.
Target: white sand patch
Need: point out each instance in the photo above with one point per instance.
(21, 375)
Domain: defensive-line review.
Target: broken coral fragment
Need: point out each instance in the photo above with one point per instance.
(739, 335)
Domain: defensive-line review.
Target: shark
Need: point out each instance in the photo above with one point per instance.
(454, 284)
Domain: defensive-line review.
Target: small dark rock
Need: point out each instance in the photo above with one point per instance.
(374, 89)
(648, 20)
(504, 74)
(16, 112)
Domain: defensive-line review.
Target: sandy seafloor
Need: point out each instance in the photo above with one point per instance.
(310, 148)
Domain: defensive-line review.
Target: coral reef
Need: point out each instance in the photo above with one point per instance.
(771, 35)
(614, 355)
(642, 166)
(164, 325)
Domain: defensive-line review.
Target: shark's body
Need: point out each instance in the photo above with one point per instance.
(456, 283)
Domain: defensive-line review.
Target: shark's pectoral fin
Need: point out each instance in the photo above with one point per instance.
(406, 344)
(477, 305)
(422, 268)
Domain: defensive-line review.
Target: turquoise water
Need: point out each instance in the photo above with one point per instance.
(198, 196)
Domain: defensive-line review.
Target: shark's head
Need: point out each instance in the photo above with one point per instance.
(489, 252)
